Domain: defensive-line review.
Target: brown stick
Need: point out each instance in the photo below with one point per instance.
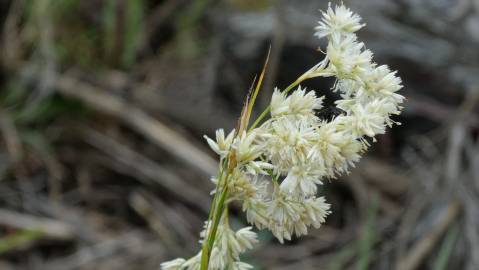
(140, 203)
(143, 169)
(425, 245)
(48, 227)
(10, 135)
(159, 133)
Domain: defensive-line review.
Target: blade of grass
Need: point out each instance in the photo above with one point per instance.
(134, 24)
(368, 236)
(343, 257)
(18, 239)
(447, 247)
(109, 20)
(245, 116)
(258, 85)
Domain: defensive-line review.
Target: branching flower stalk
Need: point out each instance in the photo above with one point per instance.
(273, 167)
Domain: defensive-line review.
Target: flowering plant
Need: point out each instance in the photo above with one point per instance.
(274, 166)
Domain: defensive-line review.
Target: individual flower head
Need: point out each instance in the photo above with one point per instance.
(226, 248)
(341, 20)
(217, 259)
(258, 167)
(256, 212)
(176, 264)
(278, 104)
(181, 264)
(364, 121)
(299, 104)
(291, 215)
(241, 266)
(347, 57)
(377, 83)
(222, 145)
(283, 213)
(246, 238)
(245, 186)
(351, 149)
(315, 211)
(326, 150)
(382, 82)
(246, 149)
(303, 178)
(287, 142)
(231, 244)
(304, 103)
(348, 88)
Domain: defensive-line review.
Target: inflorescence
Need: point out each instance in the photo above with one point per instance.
(279, 164)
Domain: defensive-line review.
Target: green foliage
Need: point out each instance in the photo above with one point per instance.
(18, 239)
(368, 237)
(342, 257)
(80, 39)
(447, 247)
(13, 95)
(27, 111)
(122, 31)
(46, 110)
(187, 44)
(135, 16)
(109, 20)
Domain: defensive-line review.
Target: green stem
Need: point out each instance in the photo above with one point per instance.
(204, 247)
(301, 78)
(219, 212)
(267, 110)
(220, 176)
(215, 217)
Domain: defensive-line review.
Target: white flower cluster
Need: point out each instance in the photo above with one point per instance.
(281, 163)
(225, 253)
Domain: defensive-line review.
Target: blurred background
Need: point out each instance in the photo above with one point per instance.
(103, 104)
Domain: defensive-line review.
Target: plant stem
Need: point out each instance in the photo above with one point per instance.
(301, 78)
(204, 247)
(267, 110)
(215, 215)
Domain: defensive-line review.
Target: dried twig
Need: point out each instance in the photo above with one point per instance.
(384, 176)
(153, 129)
(142, 205)
(48, 227)
(426, 244)
(10, 135)
(406, 224)
(129, 243)
(144, 169)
